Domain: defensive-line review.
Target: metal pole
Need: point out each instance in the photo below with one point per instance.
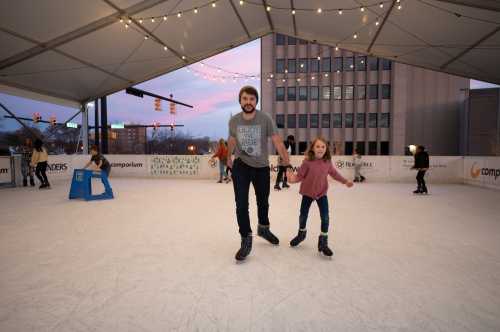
(104, 125)
(85, 129)
(96, 122)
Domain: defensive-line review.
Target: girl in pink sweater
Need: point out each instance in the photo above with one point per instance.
(313, 173)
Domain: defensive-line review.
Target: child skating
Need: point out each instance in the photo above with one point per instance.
(313, 173)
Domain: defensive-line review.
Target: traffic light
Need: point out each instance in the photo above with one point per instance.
(158, 104)
(37, 117)
(52, 121)
(172, 106)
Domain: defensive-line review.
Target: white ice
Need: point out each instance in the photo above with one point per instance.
(160, 257)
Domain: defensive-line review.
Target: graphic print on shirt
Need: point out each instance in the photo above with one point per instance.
(249, 138)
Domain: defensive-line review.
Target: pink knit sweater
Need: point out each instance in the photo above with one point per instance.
(314, 177)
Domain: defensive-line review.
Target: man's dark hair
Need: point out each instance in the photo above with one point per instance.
(95, 148)
(249, 90)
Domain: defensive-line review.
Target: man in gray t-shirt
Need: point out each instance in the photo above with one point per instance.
(249, 131)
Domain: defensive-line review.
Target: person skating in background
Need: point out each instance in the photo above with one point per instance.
(313, 173)
(39, 160)
(358, 163)
(421, 165)
(26, 169)
(282, 166)
(101, 163)
(221, 154)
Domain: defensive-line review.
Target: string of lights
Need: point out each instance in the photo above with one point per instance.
(127, 21)
(268, 7)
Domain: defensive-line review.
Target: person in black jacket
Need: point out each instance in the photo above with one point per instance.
(422, 165)
(281, 177)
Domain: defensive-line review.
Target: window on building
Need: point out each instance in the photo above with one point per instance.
(337, 120)
(385, 120)
(303, 93)
(314, 93)
(280, 66)
(280, 120)
(372, 63)
(386, 64)
(348, 149)
(372, 148)
(292, 121)
(349, 120)
(372, 120)
(302, 147)
(326, 65)
(386, 91)
(360, 146)
(292, 41)
(361, 63)
(280, 39)
(302, 65)
(373, 91)
(348, 64)
(314, 62)
(337, 92)
(325, 93)
(292, 93)
(292, 66)
(325, 120)
(280, 93)
(361, 91)
(302, 120)
(384, 148)
(360, 120)
(348, 92)
(314, 120)
(337, 64)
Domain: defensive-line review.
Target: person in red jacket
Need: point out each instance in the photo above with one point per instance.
(221, 154)
(313, 173)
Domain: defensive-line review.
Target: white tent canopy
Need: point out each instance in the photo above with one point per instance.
(77, 50)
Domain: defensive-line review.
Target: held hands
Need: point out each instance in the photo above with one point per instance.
(292, 177)
(349, 184)
(229, 162)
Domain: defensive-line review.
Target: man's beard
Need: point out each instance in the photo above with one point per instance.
(247, 112)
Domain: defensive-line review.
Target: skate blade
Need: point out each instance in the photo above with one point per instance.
(323, 256)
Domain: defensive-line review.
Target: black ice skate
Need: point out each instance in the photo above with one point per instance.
(301, 236)
(265, 233)
(323, 246)
(246, 248)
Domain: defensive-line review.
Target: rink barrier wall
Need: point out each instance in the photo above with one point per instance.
(6, 171)
(482, 171)
(479, 171)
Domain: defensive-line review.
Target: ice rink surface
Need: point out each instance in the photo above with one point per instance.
(160, 257)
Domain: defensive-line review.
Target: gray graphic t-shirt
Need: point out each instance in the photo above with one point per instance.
(251, 137)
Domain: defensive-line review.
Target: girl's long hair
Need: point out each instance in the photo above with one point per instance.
(38, 145)
(310, 152)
